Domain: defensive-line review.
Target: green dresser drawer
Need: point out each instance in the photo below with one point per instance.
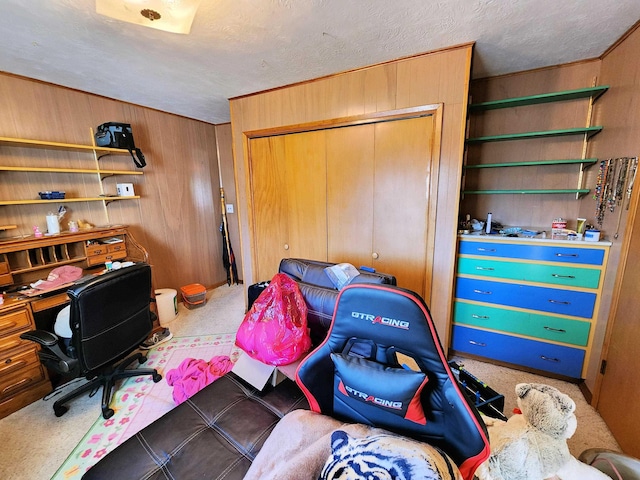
(569, 276)
(545, 327)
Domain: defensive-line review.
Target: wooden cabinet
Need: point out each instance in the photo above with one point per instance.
(357, 194)
(22, 378)
(528, 303)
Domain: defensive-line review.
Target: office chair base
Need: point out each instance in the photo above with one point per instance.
(107, 381)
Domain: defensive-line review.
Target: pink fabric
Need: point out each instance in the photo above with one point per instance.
(193, 374)
(59, 276)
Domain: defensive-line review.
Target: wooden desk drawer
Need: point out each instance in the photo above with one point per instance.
(18, 360)
(552, 300)
(21, 380)
(107, 257)
(6, 279)
(545, 327)
(13, 322)
(547, 357)
(49, 302)
(116, 247)
(96, 249)
(530, 272)
(545, 253)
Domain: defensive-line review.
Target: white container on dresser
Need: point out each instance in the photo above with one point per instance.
(528, 302)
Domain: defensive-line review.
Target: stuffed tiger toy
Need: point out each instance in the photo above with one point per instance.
(385, 457)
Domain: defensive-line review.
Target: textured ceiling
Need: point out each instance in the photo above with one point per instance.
(244, 46)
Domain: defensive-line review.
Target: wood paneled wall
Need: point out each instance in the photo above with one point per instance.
(178, 216)
(438, 77)
(619, 112)
(225, 152)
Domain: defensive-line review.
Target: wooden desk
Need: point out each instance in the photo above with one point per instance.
(23, 261)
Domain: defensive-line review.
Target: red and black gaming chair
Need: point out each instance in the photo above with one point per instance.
(382, 364)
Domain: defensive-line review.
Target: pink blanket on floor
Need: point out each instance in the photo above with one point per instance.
(194, 374)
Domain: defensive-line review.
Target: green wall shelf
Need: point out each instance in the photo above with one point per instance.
(580, 191)
(588, 131)
(584, 161)
(593, 92)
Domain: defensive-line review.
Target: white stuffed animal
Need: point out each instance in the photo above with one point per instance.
(533, 445)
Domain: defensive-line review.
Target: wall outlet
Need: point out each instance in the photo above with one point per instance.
(229, 207)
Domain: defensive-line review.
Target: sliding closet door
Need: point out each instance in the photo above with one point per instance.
(403, 160)
(288, 185)
(350, 184)
(378, 178)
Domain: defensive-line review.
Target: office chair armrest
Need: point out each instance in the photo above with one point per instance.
(52, 355)
(43, 337)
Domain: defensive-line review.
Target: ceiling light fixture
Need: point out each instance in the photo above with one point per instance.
(170, 15)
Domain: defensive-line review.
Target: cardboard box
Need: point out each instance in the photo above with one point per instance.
(257, 373)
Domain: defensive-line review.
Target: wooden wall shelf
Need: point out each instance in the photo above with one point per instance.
(67, 200)
(70, 170)
(22, 142)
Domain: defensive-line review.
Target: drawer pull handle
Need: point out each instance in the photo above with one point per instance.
(550, 359)
(481, 317)
(555, 275)
(9, 365)
(485, 268)
(480, 249)
(7, 325)
(551, 329)
(574, 255)
(482, 292)
(479, 344)
(16, 386)
(559, 302)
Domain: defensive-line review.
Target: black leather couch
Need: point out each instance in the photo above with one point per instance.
(217, 433)
(319, 292)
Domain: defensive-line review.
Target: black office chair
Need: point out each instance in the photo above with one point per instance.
(109, 318)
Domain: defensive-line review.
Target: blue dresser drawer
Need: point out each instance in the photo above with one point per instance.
(543, 253)
(521, 351)
(545, 299)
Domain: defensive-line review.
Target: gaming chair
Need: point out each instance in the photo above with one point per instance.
(382, 364)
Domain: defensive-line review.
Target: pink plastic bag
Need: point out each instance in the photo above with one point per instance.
(274, 330)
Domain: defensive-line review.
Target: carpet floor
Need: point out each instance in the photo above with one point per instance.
(139, 401)
(37, 443)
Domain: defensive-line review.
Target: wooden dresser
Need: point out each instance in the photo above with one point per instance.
(25, 260)
(530, 303)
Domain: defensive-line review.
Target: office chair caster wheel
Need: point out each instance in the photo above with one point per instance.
(143, 360)
(60, 410)
(107, 413)
(156, 377)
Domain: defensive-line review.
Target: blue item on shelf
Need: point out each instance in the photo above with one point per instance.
(51, 195)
